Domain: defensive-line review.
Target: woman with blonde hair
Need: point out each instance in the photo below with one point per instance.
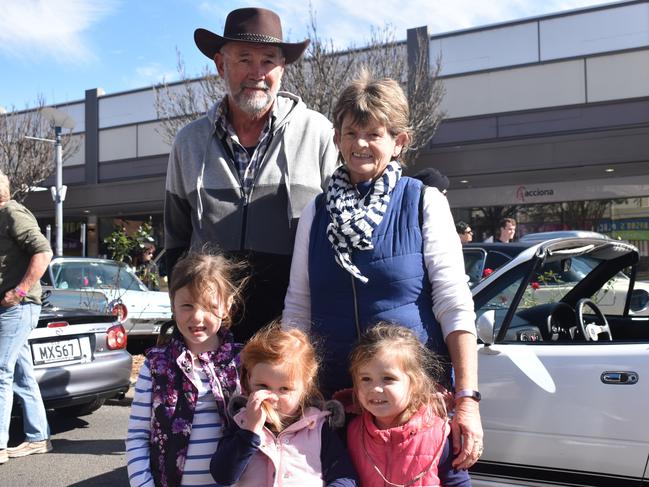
(379, 246)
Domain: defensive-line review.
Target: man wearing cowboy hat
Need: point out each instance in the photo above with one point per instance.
(239, 177)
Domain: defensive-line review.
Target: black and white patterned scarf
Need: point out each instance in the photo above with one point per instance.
(354, 217)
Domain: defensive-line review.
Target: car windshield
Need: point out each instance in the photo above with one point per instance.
(550, 284)
(94, 275)
(575, 271)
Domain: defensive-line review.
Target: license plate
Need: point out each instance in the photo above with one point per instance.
(59, 351)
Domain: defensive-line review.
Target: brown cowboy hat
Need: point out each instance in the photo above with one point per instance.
(255, 25)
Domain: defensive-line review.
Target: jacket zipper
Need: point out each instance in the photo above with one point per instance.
(246, 199)
(244, 218)
(357, 320)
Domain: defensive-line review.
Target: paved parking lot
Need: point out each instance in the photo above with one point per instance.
(88, 451)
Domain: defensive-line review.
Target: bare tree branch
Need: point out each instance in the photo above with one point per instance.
(320, 76)
(28, 162)
(178, 104)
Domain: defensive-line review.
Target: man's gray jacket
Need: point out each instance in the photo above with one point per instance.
(204, 200)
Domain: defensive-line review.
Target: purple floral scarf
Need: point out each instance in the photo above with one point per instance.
(174, 399)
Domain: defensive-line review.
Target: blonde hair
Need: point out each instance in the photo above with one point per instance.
(366, 99)
(206, 275)
(419, 363)
(293, 349)
(5, 188)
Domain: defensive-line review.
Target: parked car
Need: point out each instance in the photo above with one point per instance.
(79, 356)
(141, 310)
(481, 259)
(563, 379)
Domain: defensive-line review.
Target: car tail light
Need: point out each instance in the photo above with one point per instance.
(120, 311)
(57, 324)
(116, 337)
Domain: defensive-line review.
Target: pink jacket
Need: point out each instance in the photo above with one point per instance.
(400, 453)
(291, 458)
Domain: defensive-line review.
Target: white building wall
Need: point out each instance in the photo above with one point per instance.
(127, 109)
(78, 113)
(618, 76)
(149, 140)
(486, 49)
(507, 74)
(625, 27)
(525, 88)
(118, 143)
(79, 157)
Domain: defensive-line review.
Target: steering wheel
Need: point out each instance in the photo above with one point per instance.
(591, 331)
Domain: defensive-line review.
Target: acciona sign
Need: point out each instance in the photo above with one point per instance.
(529, 194)
(525, 194)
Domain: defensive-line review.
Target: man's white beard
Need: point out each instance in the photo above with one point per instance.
(253, 103)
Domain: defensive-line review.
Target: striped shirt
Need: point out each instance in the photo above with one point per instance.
(207, 429)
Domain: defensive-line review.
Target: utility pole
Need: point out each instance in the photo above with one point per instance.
(60, 120)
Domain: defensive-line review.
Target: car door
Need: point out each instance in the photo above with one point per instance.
(558, 413)
(573, 413)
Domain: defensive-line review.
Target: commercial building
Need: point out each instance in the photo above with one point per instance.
(539, 111)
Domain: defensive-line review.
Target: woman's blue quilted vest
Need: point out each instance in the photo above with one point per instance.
(398, 289)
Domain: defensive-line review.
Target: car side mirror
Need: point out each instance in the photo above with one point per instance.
(485, 326)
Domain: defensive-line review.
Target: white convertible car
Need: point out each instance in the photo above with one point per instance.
(565, 387)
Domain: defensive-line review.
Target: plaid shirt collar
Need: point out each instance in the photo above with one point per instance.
(247, 165)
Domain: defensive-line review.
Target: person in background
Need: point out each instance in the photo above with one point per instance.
(284, 434)
(146, 269)
(24, 256)
(402, 436)
(506, 230)
(464, 231)
(374, 249)
(433, 178)
(239, 177)
(179, 408)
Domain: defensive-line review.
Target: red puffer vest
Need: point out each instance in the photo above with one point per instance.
(400, 454)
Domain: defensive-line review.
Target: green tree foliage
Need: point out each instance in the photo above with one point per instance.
(124, 247)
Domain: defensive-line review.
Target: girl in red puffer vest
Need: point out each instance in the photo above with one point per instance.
(402, 436)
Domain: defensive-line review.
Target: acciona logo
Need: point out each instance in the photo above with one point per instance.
(522, 193)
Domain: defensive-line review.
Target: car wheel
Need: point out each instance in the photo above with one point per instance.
(82, 409)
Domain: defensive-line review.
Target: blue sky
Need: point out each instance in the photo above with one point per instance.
(60, 48)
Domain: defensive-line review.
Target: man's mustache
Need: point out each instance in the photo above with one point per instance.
(258, 86)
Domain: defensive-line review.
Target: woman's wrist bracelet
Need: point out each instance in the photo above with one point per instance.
(20, 292)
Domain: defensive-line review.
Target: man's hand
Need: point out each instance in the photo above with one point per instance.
(11, 298)
(466, 431)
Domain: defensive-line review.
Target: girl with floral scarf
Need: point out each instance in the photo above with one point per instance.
(179, 408)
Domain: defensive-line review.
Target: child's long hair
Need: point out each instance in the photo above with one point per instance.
(207, 274)
(419, 363)
(290, 347)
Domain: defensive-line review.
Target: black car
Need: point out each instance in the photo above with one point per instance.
(481, 259)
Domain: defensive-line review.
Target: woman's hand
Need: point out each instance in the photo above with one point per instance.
(466, 431)
(255, 414)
